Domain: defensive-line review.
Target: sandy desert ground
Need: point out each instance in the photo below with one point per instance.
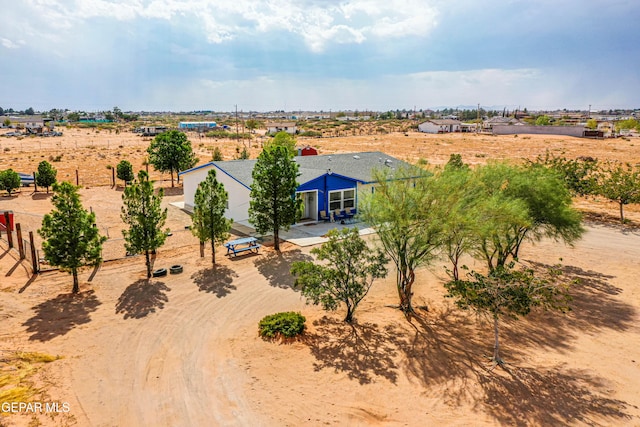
(184, 350)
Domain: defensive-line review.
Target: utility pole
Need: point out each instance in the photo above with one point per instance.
(589, 112)
(478, 118)
(236, 119)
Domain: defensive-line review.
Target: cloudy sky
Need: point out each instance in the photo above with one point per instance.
(318, 54)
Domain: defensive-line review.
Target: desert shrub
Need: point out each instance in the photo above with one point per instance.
(312, 133)
(287, 324)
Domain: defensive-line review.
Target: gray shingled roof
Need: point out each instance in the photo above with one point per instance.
(358, 166)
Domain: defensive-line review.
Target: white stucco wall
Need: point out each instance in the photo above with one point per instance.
(238, 208)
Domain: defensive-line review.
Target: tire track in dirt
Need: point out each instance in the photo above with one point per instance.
(177, 366)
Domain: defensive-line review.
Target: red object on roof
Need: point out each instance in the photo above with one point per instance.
(307, 151)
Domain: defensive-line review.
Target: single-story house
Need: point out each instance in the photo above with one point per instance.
(289, 127)
(440, 126)
(326, 182)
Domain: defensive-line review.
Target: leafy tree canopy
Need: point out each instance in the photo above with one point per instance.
(209, 222)
(71, 238)
(46, 175)
(273, 205)
(171, 152)
(143, 213)
(9, 181)
(124, 171)
(346, 275)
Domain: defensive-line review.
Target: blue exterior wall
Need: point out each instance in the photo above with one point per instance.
(326, 183)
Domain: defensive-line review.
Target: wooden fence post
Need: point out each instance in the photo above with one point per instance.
(34, 258)
(9, 231)
(77, 178)
(20, 242)
(113, 177)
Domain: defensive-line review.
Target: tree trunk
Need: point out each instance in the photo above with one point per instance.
(496, 346)
(171, 177)
(405, 285)
(76, 285)
(276, 240)
(201, 249)
(349, 316)
(148, 261)
(621, 212)
(213, 252)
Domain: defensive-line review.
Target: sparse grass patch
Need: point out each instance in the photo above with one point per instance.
(16, 374)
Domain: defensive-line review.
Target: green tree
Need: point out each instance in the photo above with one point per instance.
(252, 125)
(273, 204)
(141, 211)
(29, 111)
(459, 195)
(216, 155)
(620, 183)
(283, 139)
(346, 276)
(626, 124)
(405, 212)
(71, 238)
(73, 117)
(455, 162)
(6, 123)
(592, 124)
(209, 222)
(579, 175)
(46, 175)
(171, 152)
(518, 204)
(9, 180)
(124, 171)
(506, 291)
(543, 120)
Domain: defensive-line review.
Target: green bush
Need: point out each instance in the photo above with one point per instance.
(287, 324)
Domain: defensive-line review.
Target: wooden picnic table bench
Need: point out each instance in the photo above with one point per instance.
(242, 245)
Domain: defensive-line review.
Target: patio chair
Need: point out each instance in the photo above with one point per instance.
(338, 215)
(350, 214)
(324, 216)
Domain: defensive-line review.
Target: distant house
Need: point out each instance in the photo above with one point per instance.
(327, 182)
(501, 121)
(289, 127)
(440, 126)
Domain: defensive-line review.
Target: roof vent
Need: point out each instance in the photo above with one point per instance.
(356, 157)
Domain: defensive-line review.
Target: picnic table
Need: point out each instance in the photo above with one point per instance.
(242, 245)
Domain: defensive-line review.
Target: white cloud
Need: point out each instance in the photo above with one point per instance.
(9, 44)
(317, 23)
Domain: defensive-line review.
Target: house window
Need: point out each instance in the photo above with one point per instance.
(342, 199)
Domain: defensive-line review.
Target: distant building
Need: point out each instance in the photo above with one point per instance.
(197, 125)
(289, 127)
(440, 126)
(153, 130)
